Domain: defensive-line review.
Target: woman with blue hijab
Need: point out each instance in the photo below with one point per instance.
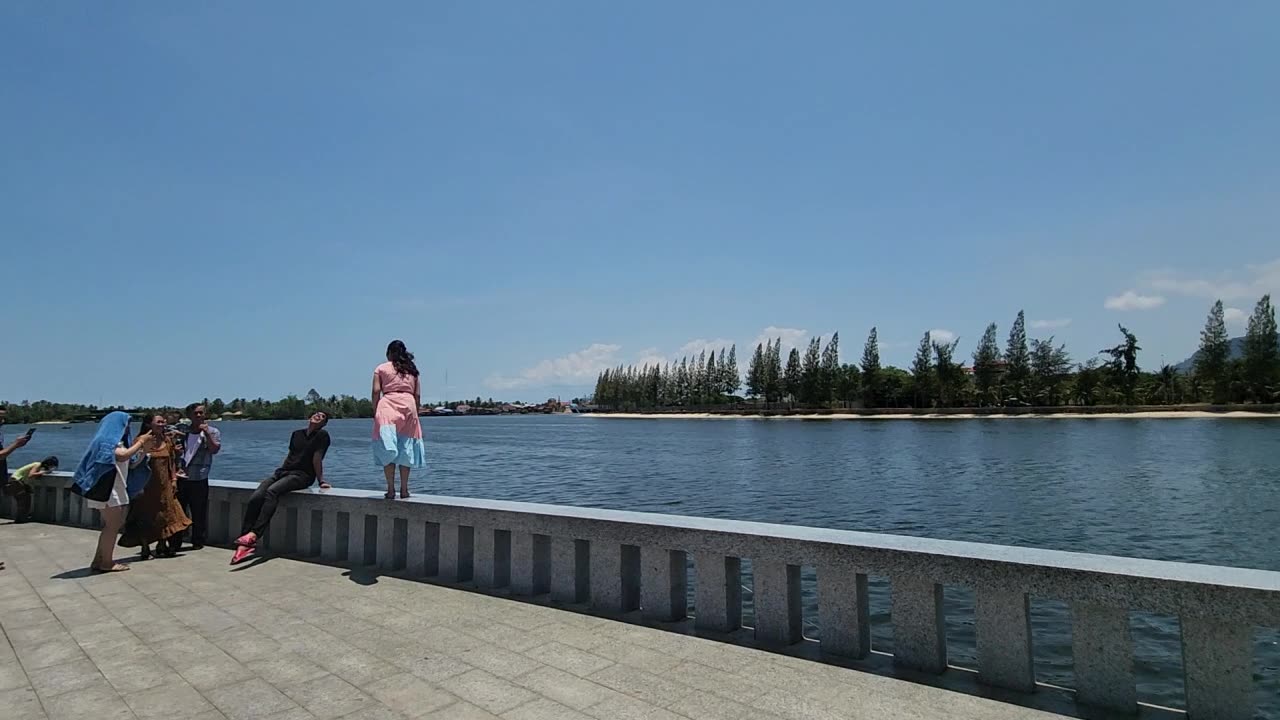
(102, 479)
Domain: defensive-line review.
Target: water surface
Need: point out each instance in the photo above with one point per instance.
(1193, 490)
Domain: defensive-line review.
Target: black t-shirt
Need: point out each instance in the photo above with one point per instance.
(302, 450)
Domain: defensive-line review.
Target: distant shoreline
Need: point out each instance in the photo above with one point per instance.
(1142, 415)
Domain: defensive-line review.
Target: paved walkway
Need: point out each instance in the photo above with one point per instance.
(289, 640)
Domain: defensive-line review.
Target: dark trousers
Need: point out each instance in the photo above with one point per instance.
(193, 495)
(262, 504)
(21, 494)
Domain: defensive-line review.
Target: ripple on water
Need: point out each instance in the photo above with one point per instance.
(1187, 490)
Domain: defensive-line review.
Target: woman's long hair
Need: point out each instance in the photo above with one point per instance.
(401, 358)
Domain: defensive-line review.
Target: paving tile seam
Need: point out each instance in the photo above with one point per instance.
(40, 699)
(293, 591)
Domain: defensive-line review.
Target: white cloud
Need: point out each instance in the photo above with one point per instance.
(1130, 300)
(941, 335)
(791, 337)
(1234, 316)
(651, 356)
(1254, 282)
(576, 368)
(693, 347)
(1050, 324)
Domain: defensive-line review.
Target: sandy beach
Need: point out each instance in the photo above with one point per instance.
(1146, 415)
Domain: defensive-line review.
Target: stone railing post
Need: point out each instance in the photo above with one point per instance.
(422, 548)
(1217, 658)
(530, 563)
(330, 549)
(61, 505)
(843, 611)
(1002, 619)
(236, 515)
(570, 570)
(1102, 653)
(456, 552)
(386, 541)
(492, 557)
(919, 630)
(663, 584)
(615, 576)
(304, 544)
(219, 517)
(717, 592)
(357, 526)
(777, 602)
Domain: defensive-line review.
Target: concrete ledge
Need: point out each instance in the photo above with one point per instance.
(620, 561)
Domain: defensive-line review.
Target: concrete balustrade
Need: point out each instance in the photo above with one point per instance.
(616, 562)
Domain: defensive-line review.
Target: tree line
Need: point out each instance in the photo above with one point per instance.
(290, 407)
(1020, 372)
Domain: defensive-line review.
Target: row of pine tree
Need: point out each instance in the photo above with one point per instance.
(1025, 372)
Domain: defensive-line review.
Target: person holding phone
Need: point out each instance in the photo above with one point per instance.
(6, 451)
(102, 478)
(197, 444)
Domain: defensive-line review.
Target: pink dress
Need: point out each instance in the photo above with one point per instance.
(397, 433)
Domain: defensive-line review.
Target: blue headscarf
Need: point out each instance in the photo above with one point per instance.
(100, 458)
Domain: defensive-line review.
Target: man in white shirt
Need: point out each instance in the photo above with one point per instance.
(201, 441)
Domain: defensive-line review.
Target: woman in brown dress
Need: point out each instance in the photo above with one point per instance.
(155, 516)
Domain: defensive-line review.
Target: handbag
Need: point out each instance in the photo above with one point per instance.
(101, 489)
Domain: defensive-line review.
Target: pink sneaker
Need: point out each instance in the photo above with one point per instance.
(244, 552)
(247, 540)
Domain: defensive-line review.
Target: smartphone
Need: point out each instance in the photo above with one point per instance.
(30, 432)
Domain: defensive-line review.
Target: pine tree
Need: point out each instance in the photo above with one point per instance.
(791, 377)
(683, 382)
(871, 370)
(1261, 352)
(730, 369)
(1215, 351)
(922, 371)
(810, 371)
(773, 371)
(848, 383)
(1049, 367)
(755, 373)
(1123, 367)
(986, 366)
(946, 369)
(830, 367)
(711, 383)
(1017, 360)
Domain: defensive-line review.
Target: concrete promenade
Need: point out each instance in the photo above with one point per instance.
(191, 638)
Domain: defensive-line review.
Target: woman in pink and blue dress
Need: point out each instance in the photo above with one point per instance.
(397, 433)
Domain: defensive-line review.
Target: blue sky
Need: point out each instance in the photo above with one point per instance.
(231, 199)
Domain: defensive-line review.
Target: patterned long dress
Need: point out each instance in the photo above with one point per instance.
(156, 514)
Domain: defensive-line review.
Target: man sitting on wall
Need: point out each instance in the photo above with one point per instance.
(302, 466)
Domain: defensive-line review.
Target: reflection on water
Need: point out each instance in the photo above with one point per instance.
(1187, 490)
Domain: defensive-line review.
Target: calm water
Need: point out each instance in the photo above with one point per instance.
(1204, 491)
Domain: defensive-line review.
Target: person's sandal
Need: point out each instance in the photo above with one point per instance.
(389, 495)
(404, 494)
(244, 552)
(113, 569)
